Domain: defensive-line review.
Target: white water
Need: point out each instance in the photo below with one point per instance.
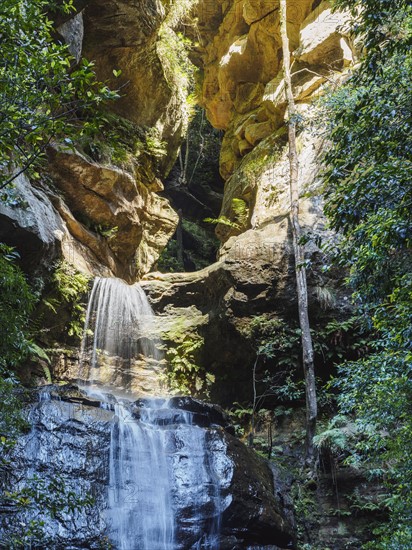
(163, 490)
(118, 331)
(140, 507)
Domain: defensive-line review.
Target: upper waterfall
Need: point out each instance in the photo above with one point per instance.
(118, 347)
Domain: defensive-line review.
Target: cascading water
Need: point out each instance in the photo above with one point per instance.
(118, 349)
(140, 508)
(164, 491)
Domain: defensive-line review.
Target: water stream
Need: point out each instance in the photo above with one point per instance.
(164, 491)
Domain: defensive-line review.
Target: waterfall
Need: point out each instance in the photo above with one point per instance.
(118, 348)
(164, 491)
(140, 507)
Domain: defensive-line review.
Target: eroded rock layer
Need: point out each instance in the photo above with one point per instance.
(111, 220)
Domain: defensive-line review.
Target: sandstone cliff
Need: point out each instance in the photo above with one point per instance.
(109, 217)
(243, 94)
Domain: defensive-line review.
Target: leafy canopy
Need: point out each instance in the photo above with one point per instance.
(369, 199)
(44, 95)
(16, 304)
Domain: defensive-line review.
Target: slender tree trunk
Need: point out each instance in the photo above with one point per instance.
(179, 239)
(301, 285)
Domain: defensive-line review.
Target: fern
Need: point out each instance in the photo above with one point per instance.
(39, 352)
(222, 220)
(47, 374)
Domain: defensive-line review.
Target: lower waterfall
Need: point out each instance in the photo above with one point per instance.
(162, 481)
(140, 511)
(159, 468)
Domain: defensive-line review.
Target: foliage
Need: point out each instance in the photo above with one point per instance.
(240, 417)
(154, 145)
(184, 375)
(277, 345)
(71, 287)
(335, 437)
(123, 143)
(368, 199)
(168, 261)
(379, 389)
(343, 339)
(173, 49)
(117, 141)
(222, 220)
(12, 422)
(35, 495)
(239, 215)
(17, 302)
(16, 305)
(45, 97)
(183, 347)
(179, 12)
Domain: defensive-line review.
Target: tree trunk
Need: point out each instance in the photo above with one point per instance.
(179, 240)
(301, 285)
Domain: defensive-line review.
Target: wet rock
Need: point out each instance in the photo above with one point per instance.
(218, 486)
(256, 514)
(205, 414)
(67, 446)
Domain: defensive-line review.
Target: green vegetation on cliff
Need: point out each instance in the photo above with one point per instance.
(369, 202)
(44, 95)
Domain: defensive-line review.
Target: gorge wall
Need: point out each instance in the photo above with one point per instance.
(239, 52)
(110, 217)
(105, 216)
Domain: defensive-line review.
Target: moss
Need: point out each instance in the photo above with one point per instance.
(121, 142)
(184, 374)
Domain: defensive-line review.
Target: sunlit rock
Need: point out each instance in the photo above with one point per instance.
(134, 223)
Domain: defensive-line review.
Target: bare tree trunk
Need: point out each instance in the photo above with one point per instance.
(179, 239)
(301, 285)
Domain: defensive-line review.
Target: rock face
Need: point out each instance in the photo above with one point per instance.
(68, 447)
(29, 221)
(243, 90)
(243, 94)
(71, 439)
(111, 220)
(126, 35)
(254, 276)
(137, 222)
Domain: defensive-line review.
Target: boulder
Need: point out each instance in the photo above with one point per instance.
(320, 36)
(30, 223)
(216, 484)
